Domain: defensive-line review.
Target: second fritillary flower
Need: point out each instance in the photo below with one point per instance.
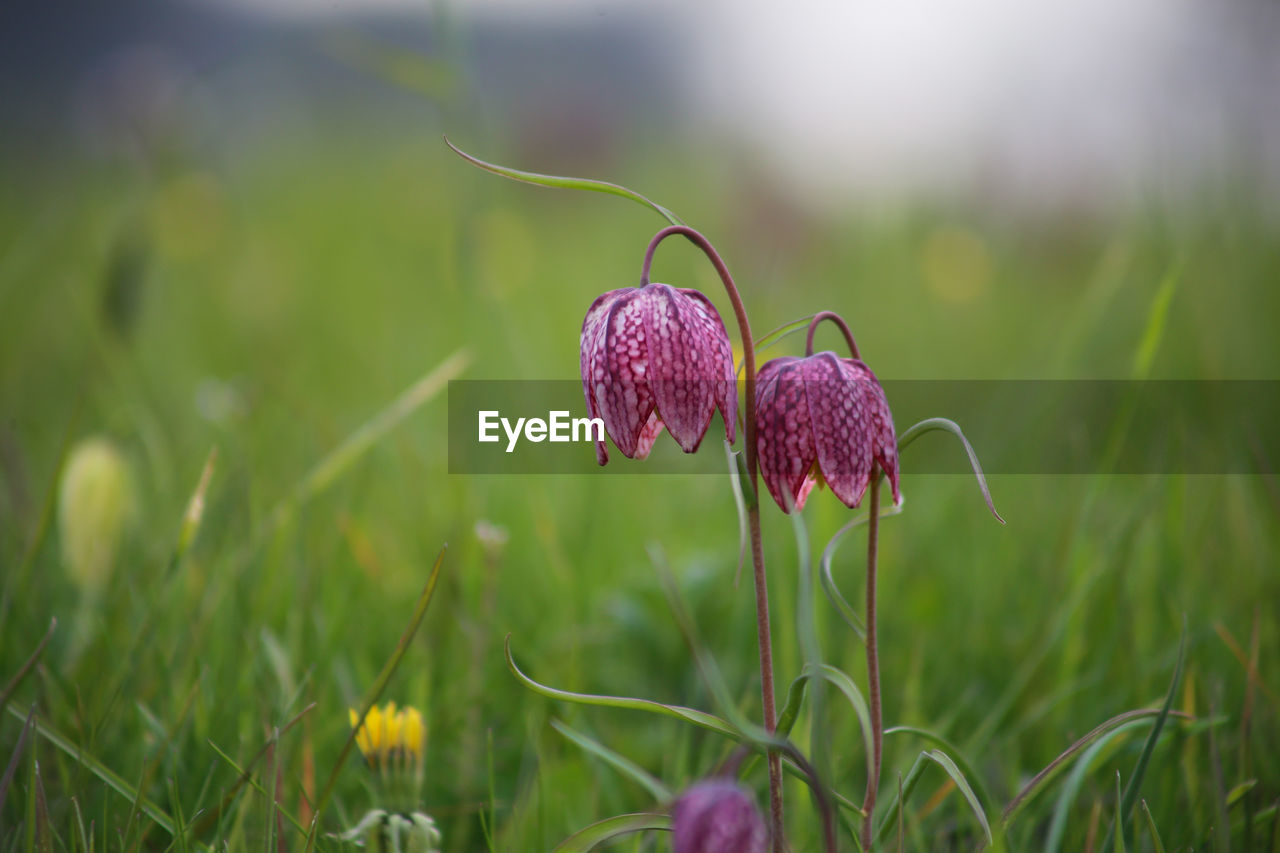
(825, 417)
(656, 356)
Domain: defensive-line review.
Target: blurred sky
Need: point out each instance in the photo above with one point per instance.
(1093, 100)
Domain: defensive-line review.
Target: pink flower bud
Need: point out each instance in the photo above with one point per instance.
(717, 816)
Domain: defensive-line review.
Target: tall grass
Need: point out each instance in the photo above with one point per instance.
(285, 300)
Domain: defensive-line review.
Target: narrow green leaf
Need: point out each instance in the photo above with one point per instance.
(1156, 317)
(689, 715)
(743, 728)
(837, 599)
(1151, 827)
(944, 761)
(1042, 779)
(890, 817)
(179, 819)
(1071, 787)
(791, 710)
(902, 827)
(1119, 845)
(737, 476)
(610, 828)
(257, 786)
(104, 773)
(82, 833)
(195, 509)
(1235, 794)
(618, 762)
(558, 182)
(342, 457)
(148, 771)
(966, 766)
(750, 499)
(786, 718)
(212, 816)
(12, 686)
(929, 425)
(908, 785)
(807, 635)
(44, 829)
(16, 757)
(842, 682)
(379, 684)
(1135, 780)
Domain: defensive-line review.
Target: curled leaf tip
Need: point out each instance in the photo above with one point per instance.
(929, 424)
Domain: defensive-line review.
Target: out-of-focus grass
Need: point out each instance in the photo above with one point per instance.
(283, 297)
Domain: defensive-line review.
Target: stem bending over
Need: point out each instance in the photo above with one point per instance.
(753, 510)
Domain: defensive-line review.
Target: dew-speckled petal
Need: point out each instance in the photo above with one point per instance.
(724, 384)
(884, 441)
(591, 345)
(619, 374)
(842, 425)
(681, 363)
(784, 434)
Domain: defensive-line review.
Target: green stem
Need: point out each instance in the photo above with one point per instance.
(753, 511)
(873, 661)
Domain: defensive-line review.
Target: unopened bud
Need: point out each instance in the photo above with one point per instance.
(95, 505)
(717, 816)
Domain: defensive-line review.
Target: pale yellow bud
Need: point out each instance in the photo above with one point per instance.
(95, 507)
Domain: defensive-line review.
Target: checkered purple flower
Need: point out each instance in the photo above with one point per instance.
(717, 816)
(656, 356)
(822, 417)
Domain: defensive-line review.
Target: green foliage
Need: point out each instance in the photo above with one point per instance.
(289, 298)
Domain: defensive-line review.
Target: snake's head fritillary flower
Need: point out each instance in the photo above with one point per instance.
(717, 816)
(822, 417)
(656, 356)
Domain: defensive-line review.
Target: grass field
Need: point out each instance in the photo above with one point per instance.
(274, 303)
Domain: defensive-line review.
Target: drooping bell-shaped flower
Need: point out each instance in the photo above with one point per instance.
(655, 356)
(717, 816)
(822, 416)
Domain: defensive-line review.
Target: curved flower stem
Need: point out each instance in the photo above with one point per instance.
(839, 321)
(873, 660)
(753, 510)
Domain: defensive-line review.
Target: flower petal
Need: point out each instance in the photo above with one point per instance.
(843, 424)
(724, 375)
(682, 362)
(884, 441)
(784, 434)
(648, 435)
(591, 345)
(619, 371)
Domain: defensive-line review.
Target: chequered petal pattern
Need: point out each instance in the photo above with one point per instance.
(784, 439)
(718, 351)
(656, 356)
(822, 416)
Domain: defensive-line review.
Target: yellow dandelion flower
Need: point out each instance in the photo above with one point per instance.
(391, 719)
(371, 737)
(413, 732)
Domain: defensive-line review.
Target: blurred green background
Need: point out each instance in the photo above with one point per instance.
(262, 267)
